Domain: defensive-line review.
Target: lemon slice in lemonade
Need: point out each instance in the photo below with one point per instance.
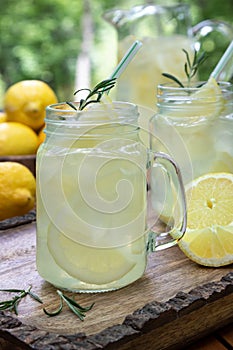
(87, 264)
(209, 90)
(210, 98)
(209, 236)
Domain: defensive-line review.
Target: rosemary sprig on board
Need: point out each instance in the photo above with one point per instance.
(12, 304)
(76, 308)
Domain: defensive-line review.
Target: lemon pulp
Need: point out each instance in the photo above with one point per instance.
(88, 264)
(209, 236)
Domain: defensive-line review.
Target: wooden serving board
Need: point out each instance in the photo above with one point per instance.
(174, 303)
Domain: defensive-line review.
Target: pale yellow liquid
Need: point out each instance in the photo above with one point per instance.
(84, 244)
(200, 145)
(139, 81)
(210, 146)
(199, 139)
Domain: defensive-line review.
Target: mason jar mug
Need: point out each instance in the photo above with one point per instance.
(93, 232)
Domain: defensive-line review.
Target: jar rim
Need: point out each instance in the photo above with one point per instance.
(195, 86)
(116, 111)
(55, 106)
(168, 93)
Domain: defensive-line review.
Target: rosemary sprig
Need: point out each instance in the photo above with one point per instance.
(97, 91)
(190, 67)
(172, 77)
(12, 304)
(79, 310)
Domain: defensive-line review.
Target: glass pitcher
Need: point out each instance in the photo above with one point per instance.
(164, 32)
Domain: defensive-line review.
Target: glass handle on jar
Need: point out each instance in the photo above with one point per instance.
(172, 233)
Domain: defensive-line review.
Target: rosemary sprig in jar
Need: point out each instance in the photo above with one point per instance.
(190, 67)
(103, 87)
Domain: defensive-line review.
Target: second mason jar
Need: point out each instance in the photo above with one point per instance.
(195, 126)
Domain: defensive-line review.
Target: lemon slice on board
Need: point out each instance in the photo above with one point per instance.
(209, 236)
(87, 264)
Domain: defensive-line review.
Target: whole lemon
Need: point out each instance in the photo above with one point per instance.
(17, 190)
(17, 139)
(3, 117)
(41, 136)
(25, 102)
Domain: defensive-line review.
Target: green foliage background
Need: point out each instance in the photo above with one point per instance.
(41, 39)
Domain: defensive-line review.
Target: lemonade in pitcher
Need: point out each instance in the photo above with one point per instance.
(162, 54)
(164, 30)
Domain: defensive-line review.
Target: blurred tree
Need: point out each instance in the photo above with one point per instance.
(83, 64)
(42, 39)
(214, 42)
(205, 9)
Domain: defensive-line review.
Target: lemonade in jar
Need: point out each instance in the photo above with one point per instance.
(92, 230)
(195, 125)
(81, 226)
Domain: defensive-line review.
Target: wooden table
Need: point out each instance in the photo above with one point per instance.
(220, 340)
(173, 305)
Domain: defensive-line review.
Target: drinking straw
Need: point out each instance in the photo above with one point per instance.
(228, 54)
(127, 58)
